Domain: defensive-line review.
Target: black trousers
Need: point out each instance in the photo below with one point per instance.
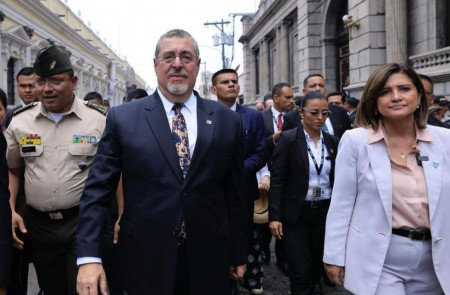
(303, 249)
(53, 251)
(182, 274)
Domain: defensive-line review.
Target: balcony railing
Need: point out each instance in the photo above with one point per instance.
(432, 59)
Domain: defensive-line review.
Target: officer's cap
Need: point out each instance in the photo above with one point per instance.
(52, 61)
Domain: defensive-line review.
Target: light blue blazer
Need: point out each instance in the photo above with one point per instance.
(359, 222)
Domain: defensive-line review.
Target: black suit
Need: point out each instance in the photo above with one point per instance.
(303, 226)
(435, 122)
(5, 217)
(211, 198)
(339, 120)
(268, 123)
(9, 115)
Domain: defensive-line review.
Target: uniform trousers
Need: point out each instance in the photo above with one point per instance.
(54, 253)
(408, 269)
(303, 248)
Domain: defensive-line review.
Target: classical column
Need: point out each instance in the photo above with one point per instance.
(3, 70)
(396, 31)
(284, 53)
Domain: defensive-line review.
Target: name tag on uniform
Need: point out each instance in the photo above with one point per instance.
(28, 149)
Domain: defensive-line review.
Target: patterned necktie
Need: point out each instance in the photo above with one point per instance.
(180, 138)
(280, 122)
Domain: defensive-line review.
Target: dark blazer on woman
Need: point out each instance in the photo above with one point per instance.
(5, 217)
(289, 179)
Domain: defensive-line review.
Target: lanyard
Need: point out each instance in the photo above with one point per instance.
(318, 168)
(275, 120)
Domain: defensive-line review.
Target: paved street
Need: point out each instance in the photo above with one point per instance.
(275, 282)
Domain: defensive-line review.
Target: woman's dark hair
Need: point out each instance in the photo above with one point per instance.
(3, 98)
(311, 95)
(367, 114)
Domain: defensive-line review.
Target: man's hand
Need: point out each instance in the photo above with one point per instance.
(116, 231)
(237, 272)
(17, 224)
(276, 228)
(91, 279)
(2, 290)
(335, 273)
(276, 136)
(265, 183)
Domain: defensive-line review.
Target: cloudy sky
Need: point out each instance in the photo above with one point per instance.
(132, 27)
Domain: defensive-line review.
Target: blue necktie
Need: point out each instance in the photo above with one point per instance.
(180, 138)
(325, 128)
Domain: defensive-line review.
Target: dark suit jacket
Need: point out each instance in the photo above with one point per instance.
(5, 217)
(339, 120)
(435, 122)
(137, 142)
(255, 153)
(268, 123)
(9, 115)
(289, 180)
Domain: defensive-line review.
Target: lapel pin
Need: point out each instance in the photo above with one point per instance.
(82, 165)
(435, 164)
(209, 122)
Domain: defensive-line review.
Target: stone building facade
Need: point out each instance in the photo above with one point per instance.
(286, 40)
(26, 26)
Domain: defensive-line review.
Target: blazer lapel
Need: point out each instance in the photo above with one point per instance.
(205, 130)
(381, 168)
(433, 173)
(302, 150)
(157, 120)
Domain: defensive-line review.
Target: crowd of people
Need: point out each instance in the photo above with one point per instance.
(158, 195)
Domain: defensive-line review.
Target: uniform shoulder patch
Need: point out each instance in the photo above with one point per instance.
(99, 108)
(24, 108)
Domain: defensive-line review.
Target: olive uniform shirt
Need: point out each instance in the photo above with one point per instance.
(56, 155)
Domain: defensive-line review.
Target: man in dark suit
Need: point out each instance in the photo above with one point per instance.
(25, 85)
(225, 86)
(5, 220)
(184, 223)
(274, 120)
(274, 117)
(336, 124)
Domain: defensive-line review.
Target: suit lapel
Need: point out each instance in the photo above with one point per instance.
(302, 150)
(381, 168)
(268, 121)
(157, 120)
(205, 130)
(433, 172)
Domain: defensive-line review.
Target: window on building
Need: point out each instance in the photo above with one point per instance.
(272, 55)
(294, 57)
(257, 77)
(447, 23)
(10, 82)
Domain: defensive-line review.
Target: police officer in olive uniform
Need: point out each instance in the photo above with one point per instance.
(53, 142)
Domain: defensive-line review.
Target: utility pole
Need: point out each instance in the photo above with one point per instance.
(224, 38)
(205, 86)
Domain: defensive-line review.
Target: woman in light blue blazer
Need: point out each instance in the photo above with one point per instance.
(387, 229)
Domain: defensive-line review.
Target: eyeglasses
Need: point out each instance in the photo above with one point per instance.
(169, 57)
(51, 83)
(315, 113)
(26, 86)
